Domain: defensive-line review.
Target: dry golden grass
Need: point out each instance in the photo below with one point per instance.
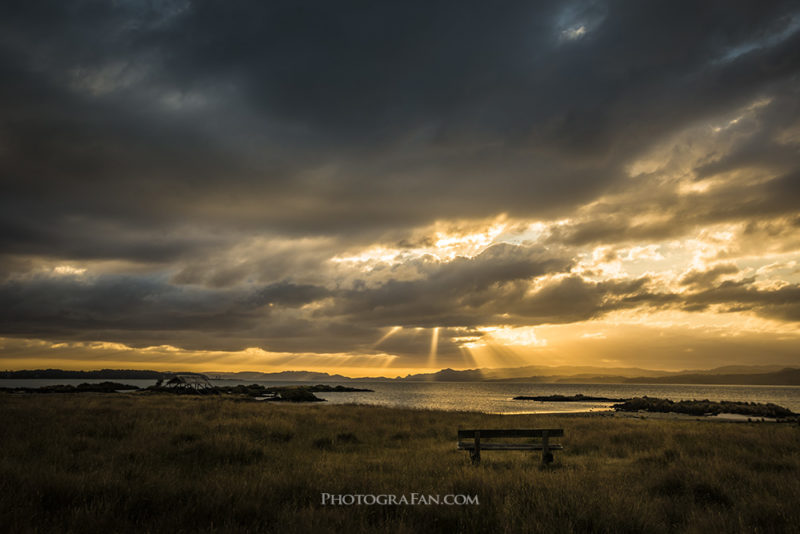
(139, 463)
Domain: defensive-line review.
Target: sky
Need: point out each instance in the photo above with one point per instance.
(382, 188)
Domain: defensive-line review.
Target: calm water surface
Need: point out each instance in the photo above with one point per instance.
(498, 397)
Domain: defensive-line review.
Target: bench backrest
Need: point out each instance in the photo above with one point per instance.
(511, 433)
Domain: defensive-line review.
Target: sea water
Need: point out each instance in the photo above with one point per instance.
(498, 397)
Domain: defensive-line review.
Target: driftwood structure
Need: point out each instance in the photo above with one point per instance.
(196, 382)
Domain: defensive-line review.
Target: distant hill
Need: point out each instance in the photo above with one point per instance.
(56, 374)
(740, 369)
(447, 375)
(530, 373)
(784, 377)
(568, 370)
(283, 376)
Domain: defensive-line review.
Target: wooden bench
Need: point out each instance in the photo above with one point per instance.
(476, 445)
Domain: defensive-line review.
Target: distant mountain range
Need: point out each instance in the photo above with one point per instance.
(773, 375)
(784, 377)
(732, 375)
(55, 374)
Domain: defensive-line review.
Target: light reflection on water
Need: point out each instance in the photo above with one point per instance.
(491, 397)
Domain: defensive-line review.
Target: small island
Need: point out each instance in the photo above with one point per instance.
(568, 398)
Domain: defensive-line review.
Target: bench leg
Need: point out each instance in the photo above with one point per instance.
(475, 456)
(547, 456)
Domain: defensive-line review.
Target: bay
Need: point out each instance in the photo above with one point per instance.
(497, 397)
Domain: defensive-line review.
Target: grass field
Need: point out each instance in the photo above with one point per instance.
(153, 463)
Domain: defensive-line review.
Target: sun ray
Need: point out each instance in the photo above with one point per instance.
(388, 361)
(432, 356)
(467, 357)
(504, 355)
(387, 335)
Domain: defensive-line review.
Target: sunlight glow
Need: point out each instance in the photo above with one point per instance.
(439, 242)
(69, 270)
(524, 336)
(574, 33)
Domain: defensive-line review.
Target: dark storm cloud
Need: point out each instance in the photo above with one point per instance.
(170, 133)
(421, 105)
(287, 294)
(144, 310)
(112, 302)
(143, 302)
(771, 203)
(769, 195)
(449, 294)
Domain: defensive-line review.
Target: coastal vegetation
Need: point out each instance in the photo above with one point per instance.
(97, 462)
(690, 407)
(703, 407)
(102, 387)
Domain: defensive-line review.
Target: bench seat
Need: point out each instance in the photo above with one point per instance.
(479, 443)
(508, 446)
